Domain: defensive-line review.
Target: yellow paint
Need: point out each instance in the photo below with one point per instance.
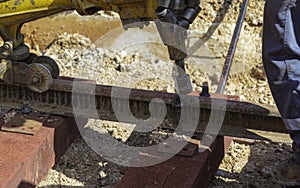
(17, 7)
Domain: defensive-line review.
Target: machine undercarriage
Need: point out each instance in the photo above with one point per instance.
(19, 66)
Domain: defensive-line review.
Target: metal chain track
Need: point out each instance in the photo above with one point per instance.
(99, 101)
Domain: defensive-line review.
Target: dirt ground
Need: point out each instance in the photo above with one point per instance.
(40, 33)
(245, 165)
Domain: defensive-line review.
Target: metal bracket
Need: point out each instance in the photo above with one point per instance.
(18, 54)
(24, 123)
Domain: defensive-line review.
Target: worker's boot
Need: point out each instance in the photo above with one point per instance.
(287, 172)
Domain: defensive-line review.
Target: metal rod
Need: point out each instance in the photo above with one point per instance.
(232, 48)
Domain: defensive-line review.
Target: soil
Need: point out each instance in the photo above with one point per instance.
(70, 39)
(40, 33)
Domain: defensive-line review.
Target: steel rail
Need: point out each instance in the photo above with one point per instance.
(96, 101)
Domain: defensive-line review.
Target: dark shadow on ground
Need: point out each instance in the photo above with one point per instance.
(253, 170)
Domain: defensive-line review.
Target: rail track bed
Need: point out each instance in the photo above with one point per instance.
(26, 158)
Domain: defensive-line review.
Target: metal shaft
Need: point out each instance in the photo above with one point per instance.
(232, 48)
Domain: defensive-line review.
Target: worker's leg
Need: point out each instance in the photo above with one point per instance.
(281, 58)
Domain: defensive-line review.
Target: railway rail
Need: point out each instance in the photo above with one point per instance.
(89, 100)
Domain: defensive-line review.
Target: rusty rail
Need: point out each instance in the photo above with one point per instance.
(241, 119)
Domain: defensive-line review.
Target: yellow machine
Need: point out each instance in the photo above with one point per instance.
(20, 67)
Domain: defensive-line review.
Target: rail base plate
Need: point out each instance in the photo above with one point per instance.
(25, 123)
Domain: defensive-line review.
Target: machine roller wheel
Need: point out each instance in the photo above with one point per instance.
(30, 58)
(44, 81)
(49, 63)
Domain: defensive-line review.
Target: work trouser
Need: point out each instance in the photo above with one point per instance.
(281, 59)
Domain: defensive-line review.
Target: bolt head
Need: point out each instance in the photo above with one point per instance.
(25, 103)
(35, 80)
(6, 46)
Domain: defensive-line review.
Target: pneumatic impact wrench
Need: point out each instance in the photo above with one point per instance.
(174, 19)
